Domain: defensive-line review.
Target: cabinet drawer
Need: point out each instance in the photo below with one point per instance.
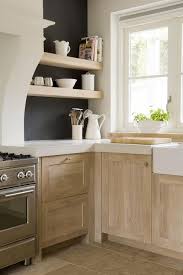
(64, 219)
(64, 176)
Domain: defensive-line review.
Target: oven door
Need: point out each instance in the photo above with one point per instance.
(17, 214)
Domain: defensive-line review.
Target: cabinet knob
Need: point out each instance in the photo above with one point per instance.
(146, 164)
(66, 159)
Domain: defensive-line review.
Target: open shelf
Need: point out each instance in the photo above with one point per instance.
(44, 91)
(56, 60)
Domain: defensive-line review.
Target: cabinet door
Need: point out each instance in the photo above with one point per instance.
(64, 176)
(64, 219)
(126, 191)
(167, 219)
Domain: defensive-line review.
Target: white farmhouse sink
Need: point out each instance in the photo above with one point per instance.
(168, 159)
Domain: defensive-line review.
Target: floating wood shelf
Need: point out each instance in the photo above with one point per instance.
(44, 91)
(56, 60)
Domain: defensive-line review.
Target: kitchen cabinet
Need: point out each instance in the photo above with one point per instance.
(64, 219)
(64, 191)
(64, 176)
(167, 209)
(126, 196)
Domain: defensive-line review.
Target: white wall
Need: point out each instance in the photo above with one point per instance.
(99, 23)
(28, 8)
(21, 47)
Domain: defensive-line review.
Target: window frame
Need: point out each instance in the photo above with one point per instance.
(170, 20)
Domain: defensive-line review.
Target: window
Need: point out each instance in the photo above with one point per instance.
(148, 70)
(153, 75)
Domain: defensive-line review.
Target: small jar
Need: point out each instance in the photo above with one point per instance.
(88, 81)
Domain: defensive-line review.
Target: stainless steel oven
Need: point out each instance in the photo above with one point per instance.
(17, 214)
(18, 184)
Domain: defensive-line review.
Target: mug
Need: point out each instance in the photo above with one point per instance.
(39, 81)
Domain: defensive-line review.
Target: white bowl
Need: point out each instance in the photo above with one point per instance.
(66, 82)
(150, 126)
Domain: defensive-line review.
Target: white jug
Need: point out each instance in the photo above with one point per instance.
(62, 47)
(93, 127)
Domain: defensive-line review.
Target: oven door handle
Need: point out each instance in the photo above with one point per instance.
(19, 193)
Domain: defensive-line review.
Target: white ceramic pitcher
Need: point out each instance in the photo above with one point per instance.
(93, 127)
(62, 47)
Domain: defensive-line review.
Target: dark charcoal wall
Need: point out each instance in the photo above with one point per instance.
(47, 118)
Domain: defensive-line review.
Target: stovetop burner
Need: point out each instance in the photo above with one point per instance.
(12, 156)
(16, 169)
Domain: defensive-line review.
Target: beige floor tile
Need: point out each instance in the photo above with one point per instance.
(48, 264)
(148, 268)
(126, 251)
(112, 263)
(116, 264)
(105, 259)
(82, 254)
(162, 260)
(142, 255)
(72, 270)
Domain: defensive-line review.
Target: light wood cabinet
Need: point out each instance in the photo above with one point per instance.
(167, 209)
(64, 186)
(64, 219)
(64, 176)
(126, 196)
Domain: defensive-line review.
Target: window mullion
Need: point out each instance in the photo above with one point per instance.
(126, 105)
(174, 58)
(147, 77)
(178, 77)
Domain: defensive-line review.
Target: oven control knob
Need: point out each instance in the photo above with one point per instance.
(3, 178)
(28, 174)
(20, 175)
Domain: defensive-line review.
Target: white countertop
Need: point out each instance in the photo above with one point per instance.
(43, 148)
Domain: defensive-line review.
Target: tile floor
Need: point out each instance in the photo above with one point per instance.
(105, 259)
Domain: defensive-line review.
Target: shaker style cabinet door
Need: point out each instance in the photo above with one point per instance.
(126, 196)
(64, 219)
(64, 176)
(65, 183)
(167, 209)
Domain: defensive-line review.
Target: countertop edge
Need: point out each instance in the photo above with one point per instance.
(51, 148)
